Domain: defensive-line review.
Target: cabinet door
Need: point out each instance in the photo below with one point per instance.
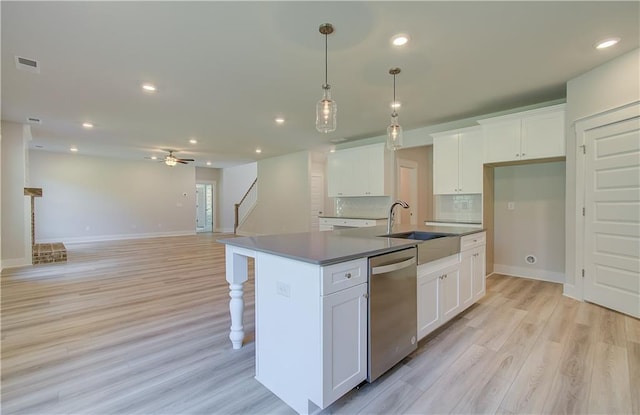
(375, 171)
(445, 164)
(338, 173)
(501, 141)
(344, 342)
(478, 271)
(471, 160)
(450, 294)
(428, 303)
(543, 136)
(466, 278)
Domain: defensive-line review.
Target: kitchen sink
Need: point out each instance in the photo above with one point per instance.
(431, 245)
(421, 236)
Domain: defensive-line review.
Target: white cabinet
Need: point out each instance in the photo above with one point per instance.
(311, 329)
(448, 286)
(472, 267)
(360, 171)
(438, 293)
(457, 161)
(529, 135)
(344, 336)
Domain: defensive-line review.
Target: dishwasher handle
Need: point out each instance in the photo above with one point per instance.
(393, 267)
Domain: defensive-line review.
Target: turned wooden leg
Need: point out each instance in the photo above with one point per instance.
(237, 274)
(236, 308)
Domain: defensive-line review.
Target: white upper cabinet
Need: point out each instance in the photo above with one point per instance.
(528, 135)
(359, 171)
(457, 161)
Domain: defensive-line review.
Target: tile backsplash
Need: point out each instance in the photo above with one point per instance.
(461, 208)
(362, 207)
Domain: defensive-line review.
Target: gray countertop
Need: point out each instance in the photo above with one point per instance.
(331, 247)
(351, 217)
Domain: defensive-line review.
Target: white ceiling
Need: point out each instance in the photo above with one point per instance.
(225, 70)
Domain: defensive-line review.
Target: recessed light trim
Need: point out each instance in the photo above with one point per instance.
(208, 163)
(279, 120)
(607, 43)
(258, 150)
(149, 87)
(87, 125)
(400, 39)
(396, 104)
(193, 141)
(154, 157)
(74, 149)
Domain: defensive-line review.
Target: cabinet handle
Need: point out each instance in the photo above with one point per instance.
(348, 275)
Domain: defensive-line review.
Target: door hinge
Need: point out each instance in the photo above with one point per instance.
(583, 211)
(584, 149)
(582, 272)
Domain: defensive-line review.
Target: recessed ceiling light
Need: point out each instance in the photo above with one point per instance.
(154, 157)
(396, 104)
(606, 43)
(258, 151)
(400, 39)
(279, 120)
(208, 163)
(74, 149)
(333, 150)
(149, 87)
(87, 125)
(193, 141)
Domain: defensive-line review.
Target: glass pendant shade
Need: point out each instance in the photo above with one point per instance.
(394, 134)
(326, 112)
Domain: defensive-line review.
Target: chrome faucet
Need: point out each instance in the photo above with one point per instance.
(391, 213)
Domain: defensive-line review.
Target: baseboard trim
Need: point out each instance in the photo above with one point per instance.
(101, 238)
(15, 262)
(534, 274)
(571, 291)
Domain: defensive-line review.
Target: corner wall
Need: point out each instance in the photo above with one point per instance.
(284, 203)
(89, 198)
(612, 85)
(15, 229)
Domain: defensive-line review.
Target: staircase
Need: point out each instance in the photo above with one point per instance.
(246, 205)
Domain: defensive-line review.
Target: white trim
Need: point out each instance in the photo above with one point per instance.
(16, 262)
(571, 291)
(224, 230)
(534, 274)
(100, 238)
(28, 248)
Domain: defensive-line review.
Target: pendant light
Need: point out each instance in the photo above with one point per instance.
(326, 109)
(394, 131)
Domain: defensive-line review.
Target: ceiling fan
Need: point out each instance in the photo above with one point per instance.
(171, 160)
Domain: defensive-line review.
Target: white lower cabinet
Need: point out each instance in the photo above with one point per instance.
(344, 336)
(450, 285)
(311, 329)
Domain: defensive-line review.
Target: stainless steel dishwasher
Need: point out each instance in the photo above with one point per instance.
(392, 310)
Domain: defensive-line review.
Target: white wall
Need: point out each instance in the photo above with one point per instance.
(606, 87)
(536, 224)
(284, 196)
(15, 223)
(235, 183)
(94, 198)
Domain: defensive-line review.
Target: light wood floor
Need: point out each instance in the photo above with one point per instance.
(141, 327)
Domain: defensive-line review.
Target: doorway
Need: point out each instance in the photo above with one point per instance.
(408, 191)
(204, 207)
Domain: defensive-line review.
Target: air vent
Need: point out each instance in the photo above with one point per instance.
(34, 120)
(26, 64)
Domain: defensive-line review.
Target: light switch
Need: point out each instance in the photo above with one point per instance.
(511, 206)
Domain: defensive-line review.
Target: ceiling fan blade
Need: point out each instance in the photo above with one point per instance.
(187, 159)
(182, 162)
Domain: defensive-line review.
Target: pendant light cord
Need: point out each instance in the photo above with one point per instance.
(326, 65)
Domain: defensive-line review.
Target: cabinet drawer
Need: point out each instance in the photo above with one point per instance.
(344, 275)
(473, 240)
(354, 223)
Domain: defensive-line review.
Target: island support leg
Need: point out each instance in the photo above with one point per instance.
(237, 274)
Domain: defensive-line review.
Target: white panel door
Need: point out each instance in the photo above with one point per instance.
(612, 216)
(317, 200)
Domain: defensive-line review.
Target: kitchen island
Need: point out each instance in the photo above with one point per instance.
(311, 307)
